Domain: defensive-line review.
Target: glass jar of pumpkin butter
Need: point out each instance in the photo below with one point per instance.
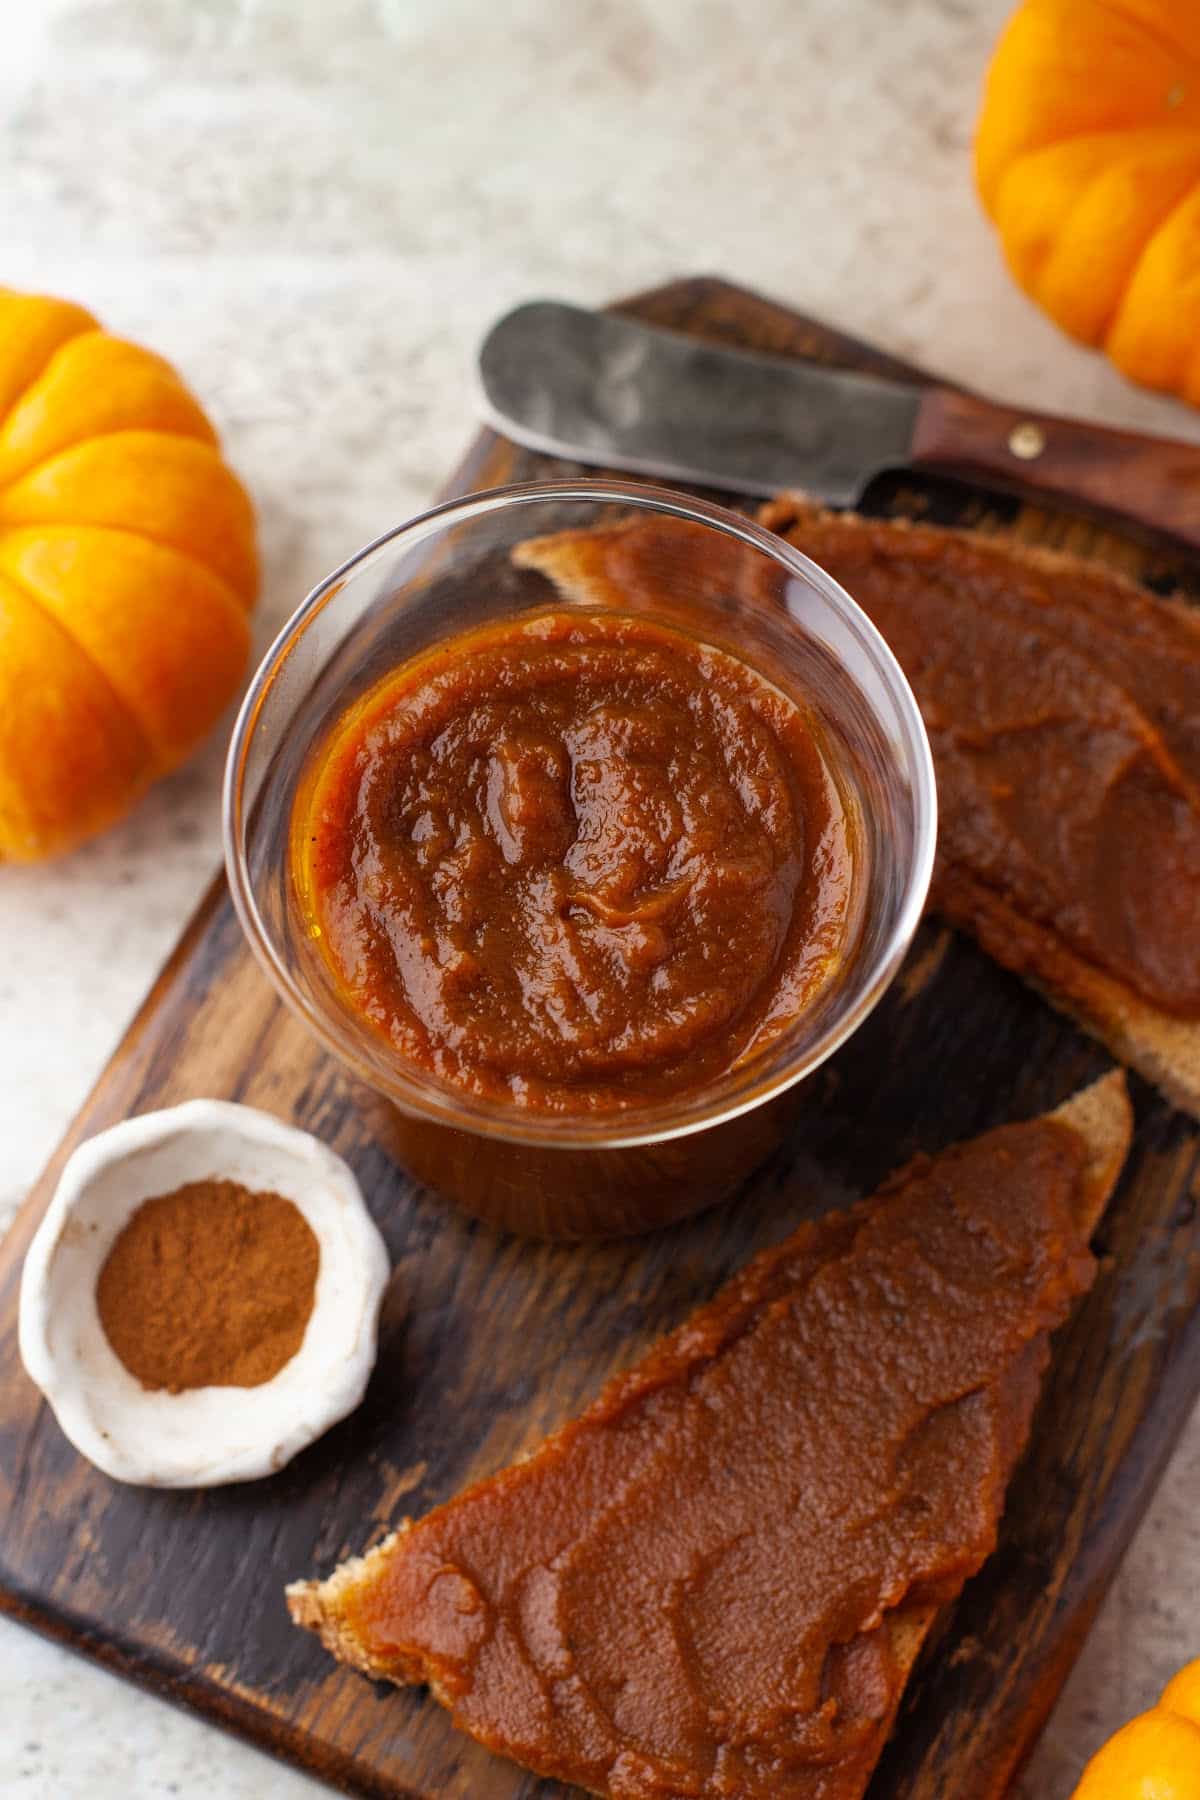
(582, 822)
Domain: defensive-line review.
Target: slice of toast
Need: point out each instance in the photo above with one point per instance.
(1150, 644)
(1160, 642)
(339, 1608)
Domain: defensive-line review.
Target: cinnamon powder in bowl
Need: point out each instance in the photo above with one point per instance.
(210, 1286)
(201, 1299)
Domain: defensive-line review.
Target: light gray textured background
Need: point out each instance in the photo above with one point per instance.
(314, 207)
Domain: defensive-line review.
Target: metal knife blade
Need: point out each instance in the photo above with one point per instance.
(602, 389)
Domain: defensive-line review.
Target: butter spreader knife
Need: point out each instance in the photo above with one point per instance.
(599, 388)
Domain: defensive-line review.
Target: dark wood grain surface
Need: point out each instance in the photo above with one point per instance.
(488, 1342)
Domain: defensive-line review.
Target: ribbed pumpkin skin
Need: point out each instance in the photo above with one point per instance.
(1087, 156)
(1157, 1755)
(127, 569)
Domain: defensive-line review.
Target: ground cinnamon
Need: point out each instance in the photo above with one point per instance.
(209, 1286)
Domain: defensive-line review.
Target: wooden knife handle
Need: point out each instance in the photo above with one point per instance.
(1153, 482)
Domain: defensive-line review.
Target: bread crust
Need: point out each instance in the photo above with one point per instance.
(326, 1607)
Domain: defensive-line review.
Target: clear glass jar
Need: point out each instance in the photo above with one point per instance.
(450, 570)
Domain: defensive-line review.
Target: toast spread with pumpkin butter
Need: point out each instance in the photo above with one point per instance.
(1063, 709)
(715, 1582)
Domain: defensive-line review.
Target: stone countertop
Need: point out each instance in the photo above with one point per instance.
(314, 209)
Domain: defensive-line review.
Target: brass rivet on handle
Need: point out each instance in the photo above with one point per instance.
(1027, 440)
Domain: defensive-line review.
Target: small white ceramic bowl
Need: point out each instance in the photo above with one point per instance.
(203, 1436)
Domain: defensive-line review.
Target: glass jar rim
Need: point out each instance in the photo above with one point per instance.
(681, 1115)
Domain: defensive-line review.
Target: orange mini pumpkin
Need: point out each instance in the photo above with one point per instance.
(1087, 157)
(127, 570)
(1157, 1755)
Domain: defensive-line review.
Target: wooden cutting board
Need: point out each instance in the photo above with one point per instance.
(487, 1342)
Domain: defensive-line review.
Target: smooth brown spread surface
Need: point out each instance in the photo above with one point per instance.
(690, 1590)
(576, 861)
(1063, 709)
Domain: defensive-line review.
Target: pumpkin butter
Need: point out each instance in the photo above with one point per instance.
(1063, 713)
(576, 861)
(691, 1590)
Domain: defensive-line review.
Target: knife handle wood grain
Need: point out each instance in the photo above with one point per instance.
(1153, 482)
